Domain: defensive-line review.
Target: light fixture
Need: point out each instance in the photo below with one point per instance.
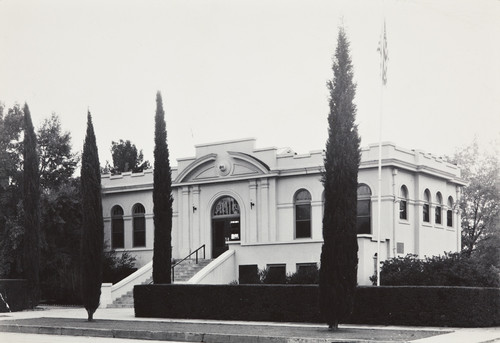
(194, 209)
(252, 204)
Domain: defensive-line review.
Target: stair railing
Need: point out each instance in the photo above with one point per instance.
(188, 256)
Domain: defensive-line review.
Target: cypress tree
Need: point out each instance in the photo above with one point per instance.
(92, 224)
(162, 200)
(31, 206)
(339, 260)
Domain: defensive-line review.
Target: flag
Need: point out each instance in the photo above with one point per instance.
(384, 57)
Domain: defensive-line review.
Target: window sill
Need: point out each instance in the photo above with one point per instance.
(404, 222)
(426, 224)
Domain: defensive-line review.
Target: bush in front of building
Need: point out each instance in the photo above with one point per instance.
(406, 305)
(304, 276)
(274, 276)
(452, 269)
(115, 268)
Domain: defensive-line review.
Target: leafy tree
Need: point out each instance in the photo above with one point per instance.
(339, 260)
(480, 201)
(126, 158)
(162, 200)
(57, 162)
(61, 226)
(92, 224)
(31, 205)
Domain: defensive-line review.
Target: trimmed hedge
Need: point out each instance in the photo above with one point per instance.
(15, 293)
(427, 306)
(405, 305)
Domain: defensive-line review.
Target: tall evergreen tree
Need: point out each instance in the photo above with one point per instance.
(31, 205)
(162, 200)
(11, 214)
(92, 224)
(339, 260)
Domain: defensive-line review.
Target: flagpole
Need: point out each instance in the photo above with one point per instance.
(379, 200)
(383, 54)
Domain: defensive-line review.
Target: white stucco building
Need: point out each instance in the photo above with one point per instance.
(263, 207)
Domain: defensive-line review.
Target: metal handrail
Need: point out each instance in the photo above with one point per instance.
(188, 256)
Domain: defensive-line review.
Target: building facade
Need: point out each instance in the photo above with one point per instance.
(263, 208)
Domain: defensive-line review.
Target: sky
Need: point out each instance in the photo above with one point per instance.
(230, 69)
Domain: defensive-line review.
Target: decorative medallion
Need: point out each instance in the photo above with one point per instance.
(223, 167)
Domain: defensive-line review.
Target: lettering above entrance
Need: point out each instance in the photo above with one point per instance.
(226, 206)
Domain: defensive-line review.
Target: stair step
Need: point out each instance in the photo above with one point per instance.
(182, 273)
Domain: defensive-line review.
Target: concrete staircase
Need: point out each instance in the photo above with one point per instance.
(183, 272)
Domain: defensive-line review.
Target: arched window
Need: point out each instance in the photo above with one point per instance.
(426, 207)
(449, 212)
(439, 201)
(139, 226)
(403, 203)
(117, 235)
(302, 201)
(364, 213)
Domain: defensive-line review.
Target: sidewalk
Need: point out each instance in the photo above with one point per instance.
(121, 323)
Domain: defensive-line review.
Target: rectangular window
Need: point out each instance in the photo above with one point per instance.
(275, 274)
(139, 232)
(363, 223)
(117, 239)
(403, 213)
(306, 267)
(438, 215)
(426, 213)
(303, 221)
(248, 274)
(449, 218)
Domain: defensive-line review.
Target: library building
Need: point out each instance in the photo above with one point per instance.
(240, 208)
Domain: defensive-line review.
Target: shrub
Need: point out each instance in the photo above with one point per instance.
(117, 268)
(452, 269)
(272, 276)
(304, 276)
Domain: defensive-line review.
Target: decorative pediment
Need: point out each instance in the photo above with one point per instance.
(213, 167)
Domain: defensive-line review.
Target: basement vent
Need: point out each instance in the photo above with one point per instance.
(400, 248)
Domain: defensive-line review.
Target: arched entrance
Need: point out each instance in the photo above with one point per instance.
(225, 224)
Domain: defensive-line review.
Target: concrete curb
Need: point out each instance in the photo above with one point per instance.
(169, 335)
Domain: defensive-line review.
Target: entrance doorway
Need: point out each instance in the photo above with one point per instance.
(225, 224)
